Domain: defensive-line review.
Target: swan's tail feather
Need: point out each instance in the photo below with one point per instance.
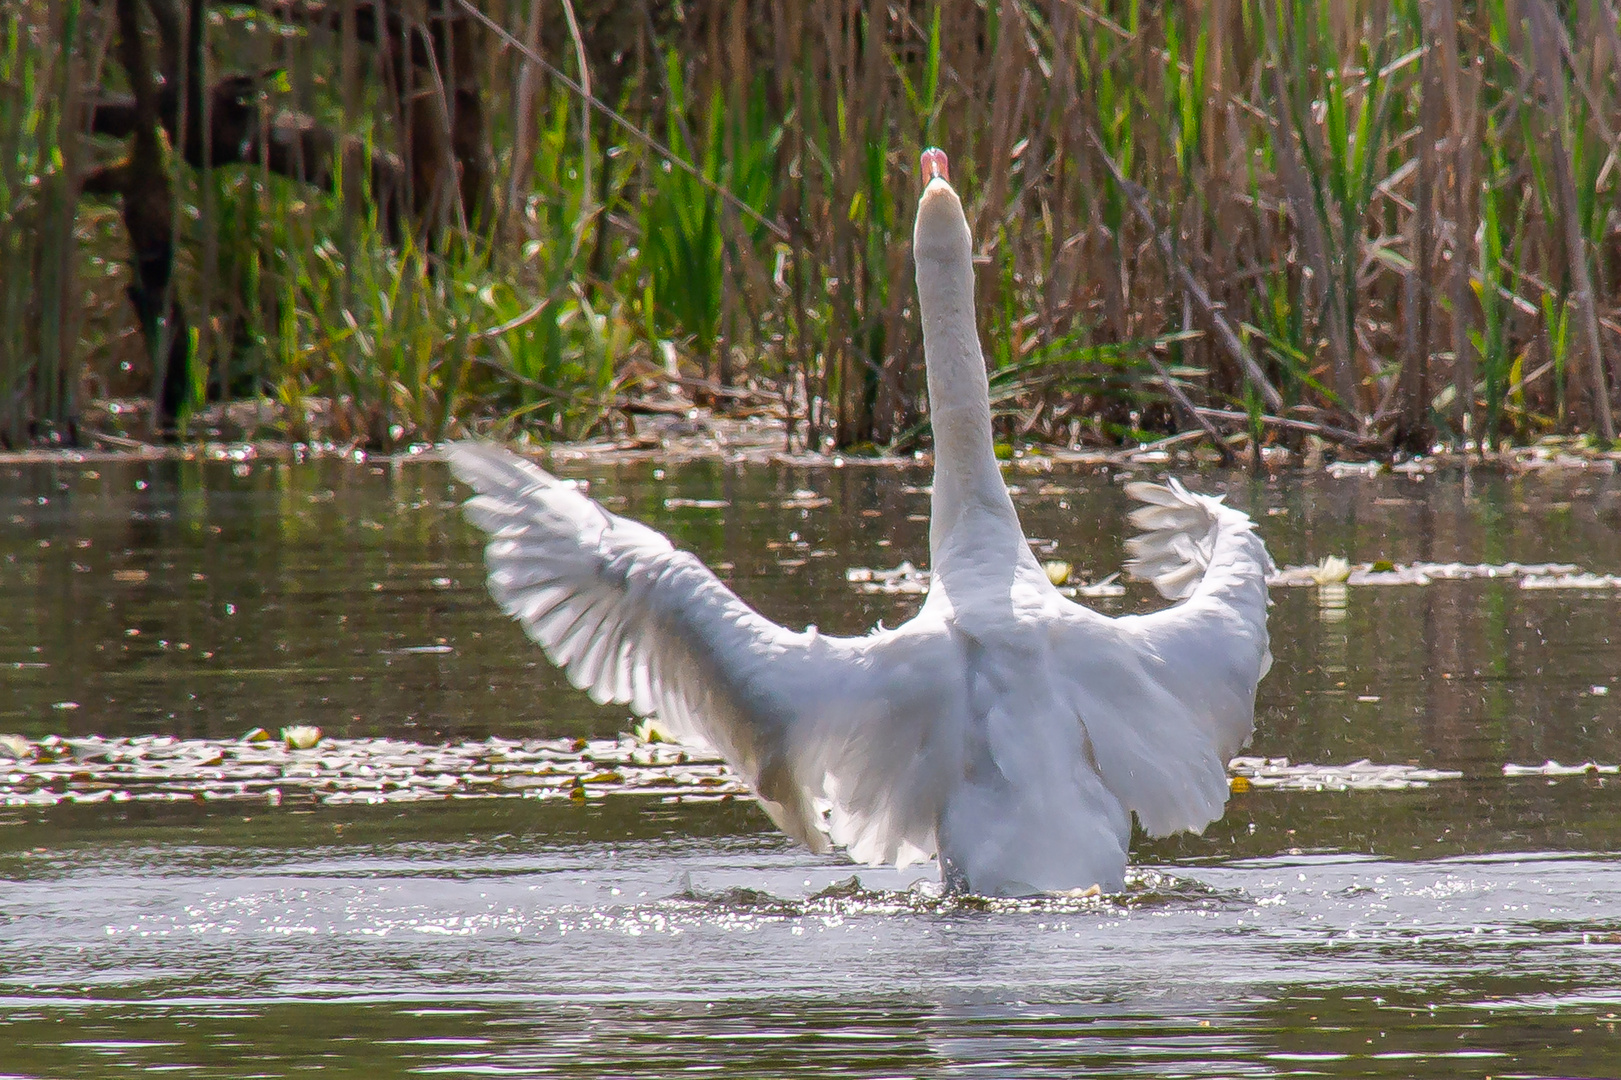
(1181, 534)
(1178, 540)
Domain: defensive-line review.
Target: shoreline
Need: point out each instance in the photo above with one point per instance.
(703, 435)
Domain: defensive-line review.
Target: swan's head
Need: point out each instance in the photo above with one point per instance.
(940, 237)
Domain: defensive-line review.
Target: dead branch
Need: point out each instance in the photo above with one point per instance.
(288, 144)
(235, 107)
(148, 210)
(1326, 432)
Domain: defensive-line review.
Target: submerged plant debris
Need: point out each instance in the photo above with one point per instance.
(161, 768)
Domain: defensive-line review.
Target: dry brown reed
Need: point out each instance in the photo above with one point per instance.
(1387, 222)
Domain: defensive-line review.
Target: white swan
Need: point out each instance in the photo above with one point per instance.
(1006, 729)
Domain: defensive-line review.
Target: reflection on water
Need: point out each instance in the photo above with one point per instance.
(1469, 928)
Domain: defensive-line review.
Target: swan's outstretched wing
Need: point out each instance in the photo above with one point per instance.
(813, 723)
(1168, 698)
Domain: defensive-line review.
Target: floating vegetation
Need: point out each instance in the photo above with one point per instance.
(1364, 775)
(905, 579)
(1382, 572)
(257, 767)
(1332, 574)
(804, 499)
(1576, 580)
(696, 504)
(908, 580)
(1553, 768)
(1109, 586)
(1340, 470)
(161, 768)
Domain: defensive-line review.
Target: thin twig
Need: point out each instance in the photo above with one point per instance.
(1127, 456)
(1323, 431)
(122, 442)
(585, 112)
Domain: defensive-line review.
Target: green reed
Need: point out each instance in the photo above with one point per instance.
(38, 350)
(692, 243)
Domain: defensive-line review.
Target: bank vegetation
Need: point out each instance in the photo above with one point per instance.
(1385, 224)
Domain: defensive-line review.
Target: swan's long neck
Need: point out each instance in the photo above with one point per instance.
(968, 490)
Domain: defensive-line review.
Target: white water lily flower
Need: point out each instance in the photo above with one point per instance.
(649, 731)
(300, 736)
(1331, 569)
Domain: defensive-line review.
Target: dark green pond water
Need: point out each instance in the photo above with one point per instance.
(1468, 928)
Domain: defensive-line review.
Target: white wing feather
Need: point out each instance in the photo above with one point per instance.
(864, 741)
(1168, 698)
(834, 734)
